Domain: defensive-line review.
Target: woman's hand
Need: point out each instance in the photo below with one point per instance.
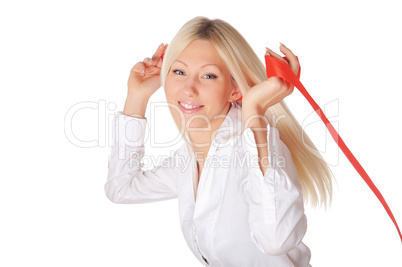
(145, 75)
(144, 80)
(267, 93)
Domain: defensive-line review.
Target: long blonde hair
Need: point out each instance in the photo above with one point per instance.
(247, 70)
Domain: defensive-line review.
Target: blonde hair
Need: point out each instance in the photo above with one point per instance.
(247, 70)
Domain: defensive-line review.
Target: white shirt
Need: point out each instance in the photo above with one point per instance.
(240, 218)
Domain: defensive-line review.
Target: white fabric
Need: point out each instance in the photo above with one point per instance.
(240, 218)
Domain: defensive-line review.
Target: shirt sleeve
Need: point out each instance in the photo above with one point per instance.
(275, 202)
(127, 181)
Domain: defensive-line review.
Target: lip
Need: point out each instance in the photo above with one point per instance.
(189, 102)
(189, 111)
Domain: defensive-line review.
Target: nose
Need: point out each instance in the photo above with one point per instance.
(190, 88)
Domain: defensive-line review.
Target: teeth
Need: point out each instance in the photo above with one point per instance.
(188, 106)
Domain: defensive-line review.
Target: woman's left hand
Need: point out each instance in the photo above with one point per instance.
(269, 92)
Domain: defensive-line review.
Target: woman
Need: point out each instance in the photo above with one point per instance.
(241, 201)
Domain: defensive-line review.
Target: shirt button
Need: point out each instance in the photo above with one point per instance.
(205, 259)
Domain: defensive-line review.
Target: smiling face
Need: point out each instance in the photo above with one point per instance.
(199, 87)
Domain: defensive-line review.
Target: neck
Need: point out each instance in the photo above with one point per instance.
(201, 140)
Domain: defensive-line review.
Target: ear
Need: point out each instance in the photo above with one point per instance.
(236, 93)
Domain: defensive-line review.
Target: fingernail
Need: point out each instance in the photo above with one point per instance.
(143, 72)
(282, 44)
(267, 51)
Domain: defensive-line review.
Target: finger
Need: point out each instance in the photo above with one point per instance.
(147, 61)
(156, 57)
(163, 54)
(153, 70)
(159, 65)
(272, 53)
(293, 62)
(139, 68)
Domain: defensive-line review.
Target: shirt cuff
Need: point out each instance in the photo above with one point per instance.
(129, 130)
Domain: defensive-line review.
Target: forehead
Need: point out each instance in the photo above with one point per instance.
(201, 52)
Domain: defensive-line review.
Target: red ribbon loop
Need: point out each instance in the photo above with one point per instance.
(279, 68)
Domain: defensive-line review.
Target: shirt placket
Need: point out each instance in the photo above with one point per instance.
(206, 263)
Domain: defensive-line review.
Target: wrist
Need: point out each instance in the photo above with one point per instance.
(138, 95)
(135, 105)
(253, 118)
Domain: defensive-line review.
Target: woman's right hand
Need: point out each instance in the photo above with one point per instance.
(145, 75)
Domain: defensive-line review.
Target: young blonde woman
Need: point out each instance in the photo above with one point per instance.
(241, 201)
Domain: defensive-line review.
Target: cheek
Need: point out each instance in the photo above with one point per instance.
(220, 92)
(171, 91)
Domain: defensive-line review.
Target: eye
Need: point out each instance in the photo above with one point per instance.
(178, 72)
(210, 76)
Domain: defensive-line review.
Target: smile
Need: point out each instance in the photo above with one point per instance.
(188, 109)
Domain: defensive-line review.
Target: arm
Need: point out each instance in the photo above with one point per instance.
(275, 201)
(273, 194)
(126, 181)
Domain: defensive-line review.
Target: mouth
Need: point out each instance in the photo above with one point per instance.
(188, 109)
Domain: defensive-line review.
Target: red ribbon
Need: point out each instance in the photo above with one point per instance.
(279, 68)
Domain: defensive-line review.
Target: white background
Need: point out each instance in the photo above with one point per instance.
(56, 55)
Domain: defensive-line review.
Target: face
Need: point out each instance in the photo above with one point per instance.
(200, 78)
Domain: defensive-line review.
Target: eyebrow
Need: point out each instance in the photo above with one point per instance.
(201, 66)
